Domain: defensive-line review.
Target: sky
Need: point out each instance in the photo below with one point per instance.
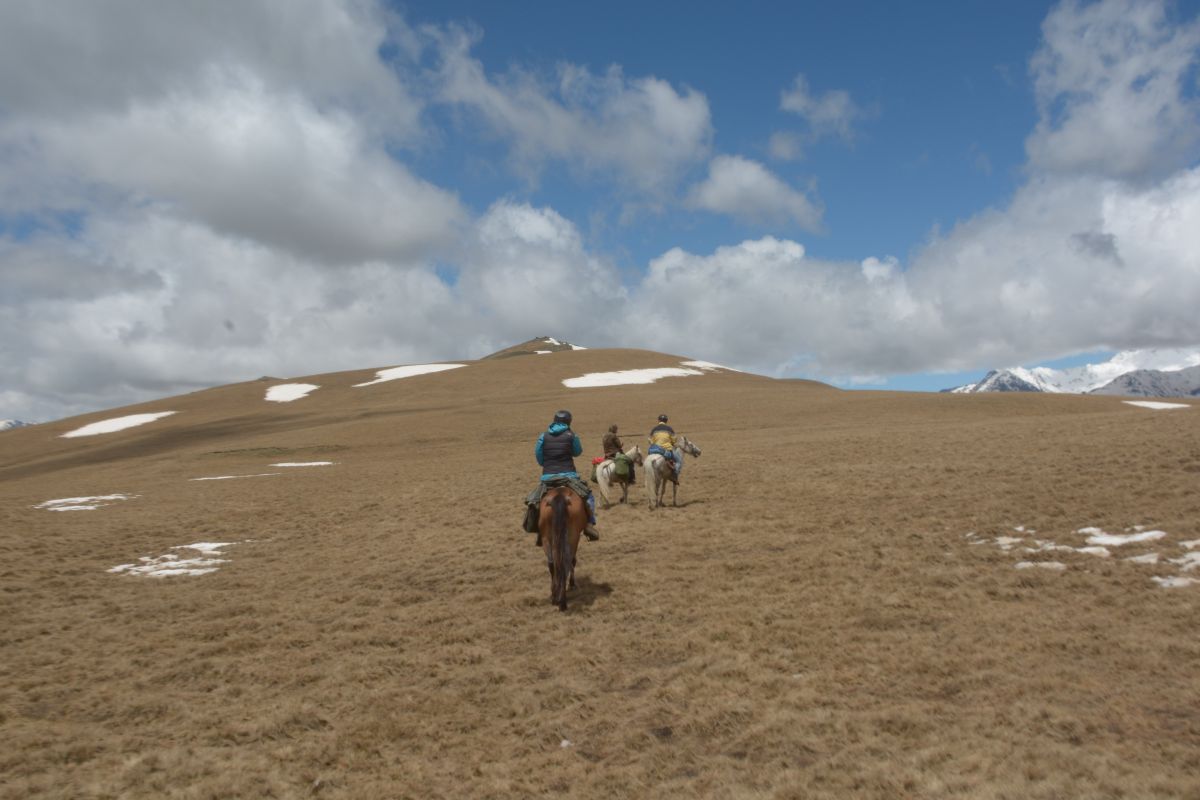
(876, 195)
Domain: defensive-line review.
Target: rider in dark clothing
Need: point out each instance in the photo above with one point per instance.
(612, 443)
(555, 451)
(612, 446)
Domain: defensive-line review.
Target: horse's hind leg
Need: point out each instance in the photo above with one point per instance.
(571, 579)
(605, 486)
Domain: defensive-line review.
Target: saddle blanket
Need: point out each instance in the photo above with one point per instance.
(574, 484)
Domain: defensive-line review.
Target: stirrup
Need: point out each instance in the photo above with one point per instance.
(591, 533)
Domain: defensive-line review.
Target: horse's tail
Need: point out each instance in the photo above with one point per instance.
(603, 473)
(562, 546)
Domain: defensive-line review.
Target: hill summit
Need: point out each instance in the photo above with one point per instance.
(540, 345)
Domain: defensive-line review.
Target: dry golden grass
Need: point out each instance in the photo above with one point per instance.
(811, 621)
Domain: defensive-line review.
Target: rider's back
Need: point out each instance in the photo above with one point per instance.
(663, 435)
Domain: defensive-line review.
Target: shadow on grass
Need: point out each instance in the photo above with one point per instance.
(587, 592)
(666, 506)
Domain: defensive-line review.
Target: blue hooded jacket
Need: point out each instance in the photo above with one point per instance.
(539, 451)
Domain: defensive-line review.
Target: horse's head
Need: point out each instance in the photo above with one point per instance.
(636, 455)
(689, 447)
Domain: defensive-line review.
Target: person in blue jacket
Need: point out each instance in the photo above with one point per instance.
(555, 451)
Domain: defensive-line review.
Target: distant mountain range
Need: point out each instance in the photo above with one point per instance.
(1146, 373)
(9, 424)
(1156, 383)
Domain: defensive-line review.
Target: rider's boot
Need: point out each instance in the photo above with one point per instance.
(590, 529)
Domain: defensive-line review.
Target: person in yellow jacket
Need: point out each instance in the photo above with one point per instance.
(662, 442)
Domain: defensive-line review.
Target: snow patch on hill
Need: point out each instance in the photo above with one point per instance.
(550, 340)
(627, 376)
(231, 477)
(11, 424)
(171, 565)
(1098, 543)
(642, 376)
(82, 503)
(396, 373)
(707, 365)
(116, 424)
(1155, 406)
(287, 392)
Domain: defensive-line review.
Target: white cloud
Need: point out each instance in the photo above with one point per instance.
(268, 166)
(764, 304)
(874, 269)
(747, 190)
(526, 264)
(75, 56)
(830, 114)
(785, 146)
(1112, 85)
(1006, 287)
(263, 119)
(643, 128)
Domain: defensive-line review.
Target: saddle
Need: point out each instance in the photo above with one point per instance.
(574, 484)
(534, 499)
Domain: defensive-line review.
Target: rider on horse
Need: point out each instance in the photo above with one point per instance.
(613, 447)
(662, 442)
(555, 451)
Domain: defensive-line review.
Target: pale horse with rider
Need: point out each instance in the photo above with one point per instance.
(617, 467)
(664, 461)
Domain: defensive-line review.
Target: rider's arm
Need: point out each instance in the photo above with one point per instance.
(576, 445)
(537, 450)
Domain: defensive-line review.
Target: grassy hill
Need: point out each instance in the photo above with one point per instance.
(835, 609)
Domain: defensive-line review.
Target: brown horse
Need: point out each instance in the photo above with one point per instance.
(560, 520)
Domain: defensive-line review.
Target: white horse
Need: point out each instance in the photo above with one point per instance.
(606, 476)
(660, 470)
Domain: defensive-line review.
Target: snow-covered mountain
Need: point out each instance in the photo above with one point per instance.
(1016, 379)
(9, 424)
(1083, 379)
(1155, 383)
